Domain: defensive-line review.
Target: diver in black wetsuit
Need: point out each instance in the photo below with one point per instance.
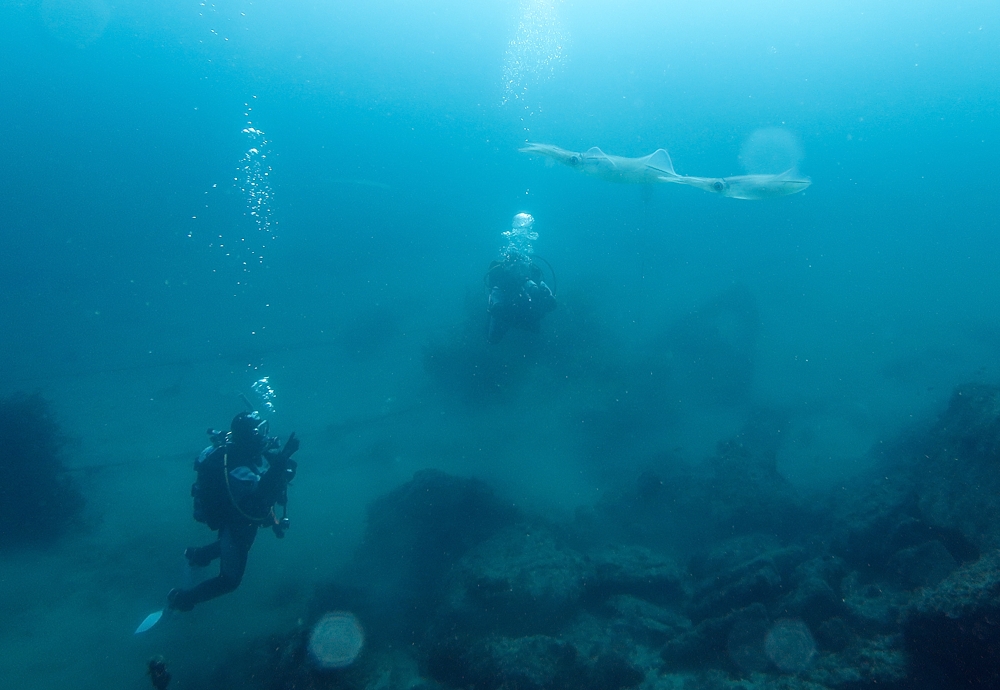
(518, 297)
(241, 477)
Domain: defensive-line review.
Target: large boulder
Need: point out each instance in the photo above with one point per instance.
(737, 492)
(953, 630)
(415, 534)
(532, 662)
(740, 572)
(523, 580)
(636, 570)
(815, 594)
(644, 622)
(959, 482)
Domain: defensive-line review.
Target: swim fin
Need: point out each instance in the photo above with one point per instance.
(149, 621)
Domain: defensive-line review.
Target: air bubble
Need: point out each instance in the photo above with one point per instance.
(534, 51)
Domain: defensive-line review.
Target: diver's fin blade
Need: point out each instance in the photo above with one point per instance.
(149, 621)
(660, 160)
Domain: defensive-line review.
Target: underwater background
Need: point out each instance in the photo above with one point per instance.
(200, 195)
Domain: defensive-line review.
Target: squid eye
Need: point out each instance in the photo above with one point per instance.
(574, 160)
(717, 185)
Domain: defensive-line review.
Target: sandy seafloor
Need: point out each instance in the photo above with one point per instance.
(71, 608)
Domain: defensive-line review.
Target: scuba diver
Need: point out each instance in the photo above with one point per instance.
(240, 478)
(517, 295)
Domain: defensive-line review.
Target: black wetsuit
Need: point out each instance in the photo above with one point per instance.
(256, 481)
(517, 297)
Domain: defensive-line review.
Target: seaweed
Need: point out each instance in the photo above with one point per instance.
(38, 500)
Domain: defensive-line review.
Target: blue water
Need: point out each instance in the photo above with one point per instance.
(128, 296)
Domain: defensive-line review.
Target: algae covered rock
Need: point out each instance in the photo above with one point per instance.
(415, 535)
(953, 629)
(639, 571)
(523, 580)
(958, 483)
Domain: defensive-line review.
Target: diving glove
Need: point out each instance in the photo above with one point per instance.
(291, 445)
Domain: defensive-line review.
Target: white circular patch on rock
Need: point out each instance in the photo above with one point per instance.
(790, 645)
(336, 640)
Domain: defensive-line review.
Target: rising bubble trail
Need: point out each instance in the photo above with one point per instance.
(265, 393)
(254, 180)
(520, 236)
(534, 51)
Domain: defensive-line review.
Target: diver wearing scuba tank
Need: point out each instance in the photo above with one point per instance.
(240, 478)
